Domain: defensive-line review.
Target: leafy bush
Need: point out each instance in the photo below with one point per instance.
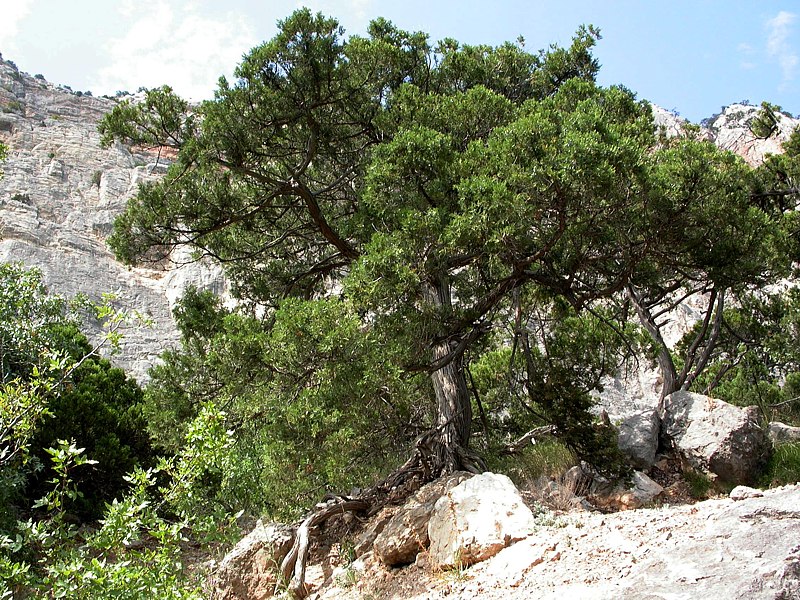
(101, 409)
(136, 552)
(699, 484)
(53, 387)
(783, 466)
(547, 458)
(303, 395)
(53, 384)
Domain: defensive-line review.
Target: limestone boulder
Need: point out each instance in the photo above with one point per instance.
(250, 570)
(715, 437)
(638, 437)
(477, 519)
(742, 492)
(639, 491)
(780, 433)
(406, 533)
(634, 492)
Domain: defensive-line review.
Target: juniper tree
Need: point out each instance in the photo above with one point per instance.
(424, 185)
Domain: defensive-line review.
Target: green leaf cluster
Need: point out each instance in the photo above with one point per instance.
(313, 402)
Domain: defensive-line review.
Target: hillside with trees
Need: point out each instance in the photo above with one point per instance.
(433, 250)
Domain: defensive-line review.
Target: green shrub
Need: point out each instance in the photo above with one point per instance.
(699, 484)
(101, 409)
(783, 467)
(12, 106)
(301, 425)
(548, 458)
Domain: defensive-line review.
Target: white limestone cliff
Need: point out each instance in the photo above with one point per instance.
(58, 199)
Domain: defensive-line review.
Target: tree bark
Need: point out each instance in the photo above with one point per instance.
(450, 442)
(453, 411)
(669, 373)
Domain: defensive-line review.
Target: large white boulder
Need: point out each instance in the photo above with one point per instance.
(406, 533)
(476, 519)
(715, 437)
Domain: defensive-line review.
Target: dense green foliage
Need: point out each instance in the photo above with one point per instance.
(315, 403)
(714, 242)
(54, 387)
(100, 409)
(749, 354)
(405, 221)
(30, 358)
(57, 394)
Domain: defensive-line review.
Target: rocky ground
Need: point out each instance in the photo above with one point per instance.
(721, 548)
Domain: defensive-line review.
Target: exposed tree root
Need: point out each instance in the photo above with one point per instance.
(424, 466)
(293, 566)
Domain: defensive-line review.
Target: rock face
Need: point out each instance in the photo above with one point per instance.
(250, 570)
(477, 519)
(638, 437)
(730, 130)
(59, 197)
(714, 436)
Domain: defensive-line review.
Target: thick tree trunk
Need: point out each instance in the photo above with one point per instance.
(449, 441)
(453, 410)
(669, 374)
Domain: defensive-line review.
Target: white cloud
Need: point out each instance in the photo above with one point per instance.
(746, 54)
(12, 14)
(174, 43)
(779, 46)
(745, 48)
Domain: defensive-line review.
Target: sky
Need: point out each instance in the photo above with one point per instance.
(688, 56)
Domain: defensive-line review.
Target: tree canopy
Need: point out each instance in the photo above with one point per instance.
(425, 196)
